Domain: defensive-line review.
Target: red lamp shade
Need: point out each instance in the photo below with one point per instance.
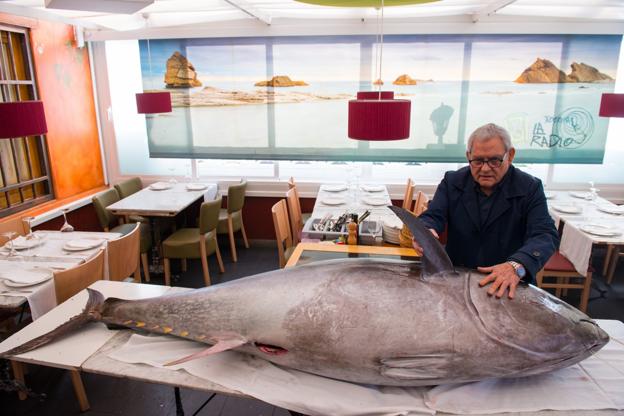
(374, 95)
(22, 118)
(379, 119)
(153, 102)
(612, 105)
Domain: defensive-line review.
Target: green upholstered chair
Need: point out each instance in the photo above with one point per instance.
(129, 187)
(195, 243)
(110, 222)
(231, 218)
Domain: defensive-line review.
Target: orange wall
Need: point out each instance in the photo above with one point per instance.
(64, 85)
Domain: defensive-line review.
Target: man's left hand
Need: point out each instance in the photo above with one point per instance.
(504, 277)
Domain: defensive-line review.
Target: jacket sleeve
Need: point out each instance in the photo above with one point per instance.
(541, 238)
(437, 212)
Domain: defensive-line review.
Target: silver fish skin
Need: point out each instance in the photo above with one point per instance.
(376, 322)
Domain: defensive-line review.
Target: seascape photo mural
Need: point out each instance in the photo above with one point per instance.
(285, 98)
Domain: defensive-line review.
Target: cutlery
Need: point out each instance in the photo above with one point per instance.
(15, 291)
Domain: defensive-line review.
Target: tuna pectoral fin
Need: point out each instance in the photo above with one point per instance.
(91, 312)
(221, 345)
(421, 367)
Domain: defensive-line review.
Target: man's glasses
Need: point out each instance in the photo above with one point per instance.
(493, 163)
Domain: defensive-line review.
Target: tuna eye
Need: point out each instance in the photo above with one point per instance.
(270, 349)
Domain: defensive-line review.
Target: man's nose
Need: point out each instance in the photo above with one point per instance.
(486, 167)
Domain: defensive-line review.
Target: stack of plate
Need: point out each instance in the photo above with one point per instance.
(391, 230)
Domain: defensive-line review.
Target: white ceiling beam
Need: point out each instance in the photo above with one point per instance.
(36, 13)
(250, 10)
(490, 9)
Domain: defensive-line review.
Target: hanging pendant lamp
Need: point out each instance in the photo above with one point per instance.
(21, 119)
(376, 115)
(153, 102)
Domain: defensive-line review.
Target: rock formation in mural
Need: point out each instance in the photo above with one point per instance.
(404, 80)
(544, 71)
(586, 73)
(180, 72)
(281, 81)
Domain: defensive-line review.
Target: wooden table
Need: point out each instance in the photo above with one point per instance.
(307, 252)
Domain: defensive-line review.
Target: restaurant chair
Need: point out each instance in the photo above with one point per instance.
(16, 225)
(408, 196)
(123, 256)
(66, 284)
(562, 271)
(293, 185)
(127, 188)
(111, 223)
(231, 218)
(285, 244)
(420, 206)
(195, 243)
(297, 219)
(613, 261)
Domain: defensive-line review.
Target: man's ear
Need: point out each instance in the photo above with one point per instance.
(467, 155)
(512, 153)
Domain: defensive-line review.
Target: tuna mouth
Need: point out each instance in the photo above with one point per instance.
(597, 336)
(270, 349)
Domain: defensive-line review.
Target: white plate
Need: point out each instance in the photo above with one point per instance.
(549, 195)
(617, 209)
(580, 194)
(335, 188)
(195, 187)
(568, 209)
(23, 243)
(31, 277)
(372, 188)
(599, 229)
(333, 201)
(375, 202)
(82, 244)
(160, 186)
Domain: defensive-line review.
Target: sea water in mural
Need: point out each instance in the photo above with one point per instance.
(286, 98)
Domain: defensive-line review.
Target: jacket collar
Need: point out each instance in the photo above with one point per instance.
(510, 188)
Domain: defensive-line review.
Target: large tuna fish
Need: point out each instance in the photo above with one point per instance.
(370, 321)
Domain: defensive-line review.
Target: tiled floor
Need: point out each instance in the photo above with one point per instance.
(113, 396)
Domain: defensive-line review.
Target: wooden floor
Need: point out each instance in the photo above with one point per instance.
(113, 396)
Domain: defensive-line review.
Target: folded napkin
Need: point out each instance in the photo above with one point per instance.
(195, 186)
(41, 298)
(160, 185)
(22, 242)
(576, 246)
(372, 188)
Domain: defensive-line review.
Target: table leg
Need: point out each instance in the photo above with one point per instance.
(178, 402)
(79, 389)
(18, 373)
(155, 267)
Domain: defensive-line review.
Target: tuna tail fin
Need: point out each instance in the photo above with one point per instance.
(435, 260)
(91, 312)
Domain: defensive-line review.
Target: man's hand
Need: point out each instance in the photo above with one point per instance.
(417, 246)
(504, 277)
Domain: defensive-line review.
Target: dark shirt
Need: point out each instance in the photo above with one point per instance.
(511, 224)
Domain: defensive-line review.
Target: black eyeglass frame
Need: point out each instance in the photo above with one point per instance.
(493, 163)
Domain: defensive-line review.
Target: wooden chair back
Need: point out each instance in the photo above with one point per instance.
(291, 183)
(559, 274)
(294, 213)
(408, 196)
(282, 230)
(16, 225)
(124, 254)
(69, 282)
(421, 204)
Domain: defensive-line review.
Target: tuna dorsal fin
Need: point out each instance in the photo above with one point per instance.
(435, 260)
(221, 345)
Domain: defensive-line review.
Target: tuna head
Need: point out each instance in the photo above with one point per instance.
(543, 332)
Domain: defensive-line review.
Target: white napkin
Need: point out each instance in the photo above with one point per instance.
(41, 298)
(22, 242)
(291, 389)
(159, 186)
(577, 247)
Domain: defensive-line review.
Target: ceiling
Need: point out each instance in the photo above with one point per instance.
(165, 17)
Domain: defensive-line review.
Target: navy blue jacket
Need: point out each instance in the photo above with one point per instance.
(518, 227)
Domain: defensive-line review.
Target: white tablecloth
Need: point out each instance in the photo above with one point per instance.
(596, 383)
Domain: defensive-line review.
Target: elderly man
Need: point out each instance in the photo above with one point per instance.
(495, 214)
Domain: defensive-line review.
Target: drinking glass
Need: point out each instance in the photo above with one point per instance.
(29, 221)
(66, 227)
(10, 235)
(593, 191)
(172, 180)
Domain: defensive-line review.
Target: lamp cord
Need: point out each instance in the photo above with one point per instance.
(379, 54)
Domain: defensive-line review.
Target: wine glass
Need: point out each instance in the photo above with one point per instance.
(593, 191)
(9, 236)
(66, 227)
(172, 170)
(29, 221)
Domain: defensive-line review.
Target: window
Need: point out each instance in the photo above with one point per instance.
(24, 172)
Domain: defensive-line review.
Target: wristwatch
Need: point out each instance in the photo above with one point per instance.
(520, 270)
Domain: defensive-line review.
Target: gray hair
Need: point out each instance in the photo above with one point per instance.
(489, 131)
